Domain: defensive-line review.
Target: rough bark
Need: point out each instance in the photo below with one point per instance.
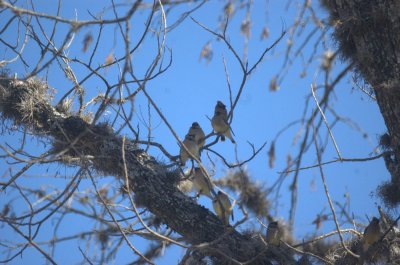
(26, 103)
(368, 34)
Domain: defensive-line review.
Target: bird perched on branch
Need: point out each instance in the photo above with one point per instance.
(372, 233)
(192, 147)
(220, 123)
(202, 183)
(273, 234)
(221, 108)
(198, 133)
(222, 207)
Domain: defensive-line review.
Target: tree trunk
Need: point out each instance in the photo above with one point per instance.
(368, 34)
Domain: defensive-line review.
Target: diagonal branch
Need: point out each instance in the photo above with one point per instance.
(153, 185)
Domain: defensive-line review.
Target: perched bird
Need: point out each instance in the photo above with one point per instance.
(222, 207)
(220, 123)
(372, 234)
(273, 234)
(202, 183)
(193, 148)
(185, 185)
(198, 133)
(220, 107)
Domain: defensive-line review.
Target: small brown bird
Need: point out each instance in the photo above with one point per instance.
(185, 186)
(87, 41)
(220, 107)
(273, 234)
(223, 207)
(220, 123)
(193, 148)
(372, 233)
(198, 133)
(202, 183)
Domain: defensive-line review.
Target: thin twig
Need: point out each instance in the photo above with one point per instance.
(115, 220)
(335, 161)
(325, 236)
(328, 196)
(307, 253)
(326, 122)
(32, 243)
(128, 188)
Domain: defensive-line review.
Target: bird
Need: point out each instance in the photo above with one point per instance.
(220, 107)
(185, 185)
(372, 234)
(201, 183)
(192, 147)
(220, 123)
(222, 207)
(273, 234)
(198, 133)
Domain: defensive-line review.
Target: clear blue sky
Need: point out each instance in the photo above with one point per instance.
(188, 92)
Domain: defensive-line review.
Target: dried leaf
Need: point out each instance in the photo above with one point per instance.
(264, 33)
(103, 238)
(245, 28)
(271, 155)
(319, 220)
(288, 160)
(5, 210)
(87, 41)
(109, 58)
(273, 84)
(206, 52)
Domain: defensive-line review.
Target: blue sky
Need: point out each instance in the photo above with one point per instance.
(188, 91)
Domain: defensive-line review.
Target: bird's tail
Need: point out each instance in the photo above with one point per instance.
(229, 135)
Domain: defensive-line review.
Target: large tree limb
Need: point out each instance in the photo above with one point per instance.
(27, 104)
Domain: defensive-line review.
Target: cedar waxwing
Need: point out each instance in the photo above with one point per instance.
(220, 107)
(273, 234)
(222, 207)
(372, 233)
(202, 183)
(220, 123)
(185, 186)
(198, 133)
(191, 145)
